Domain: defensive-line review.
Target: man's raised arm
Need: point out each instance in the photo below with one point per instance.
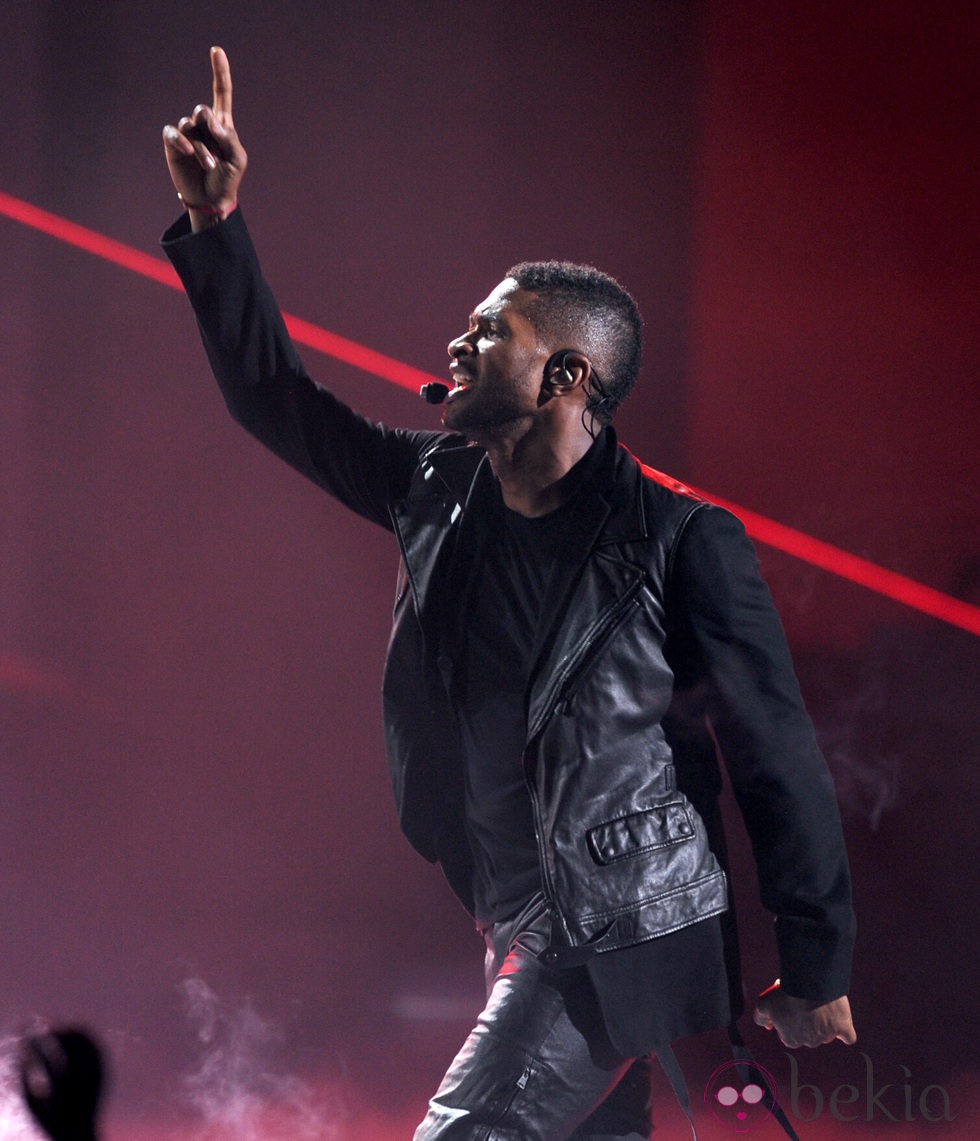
(266, 387)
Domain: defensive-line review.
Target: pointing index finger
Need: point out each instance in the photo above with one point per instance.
(222, 85)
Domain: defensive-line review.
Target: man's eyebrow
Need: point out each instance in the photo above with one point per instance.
(493, 313)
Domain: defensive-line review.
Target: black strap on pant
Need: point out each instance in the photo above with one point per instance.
(749, 1069)
(675, 1075)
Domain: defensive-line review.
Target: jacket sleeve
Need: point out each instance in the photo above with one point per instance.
(733, 651)
(366, 466)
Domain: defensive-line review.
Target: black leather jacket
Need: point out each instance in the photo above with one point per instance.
(665, 650)
(624, 855)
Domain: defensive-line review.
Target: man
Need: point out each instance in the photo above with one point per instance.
(573, 635)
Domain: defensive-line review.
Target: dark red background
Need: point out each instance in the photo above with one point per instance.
(192, 784)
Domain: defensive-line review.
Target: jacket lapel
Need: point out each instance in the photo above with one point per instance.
(428, 521)
(589, 579)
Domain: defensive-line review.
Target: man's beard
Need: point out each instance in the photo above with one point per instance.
(483, 412)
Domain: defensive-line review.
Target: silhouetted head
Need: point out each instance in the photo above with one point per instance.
(62, 1076)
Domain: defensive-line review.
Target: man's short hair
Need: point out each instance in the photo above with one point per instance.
(598, 317)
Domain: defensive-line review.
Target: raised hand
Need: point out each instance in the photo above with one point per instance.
(204, 154)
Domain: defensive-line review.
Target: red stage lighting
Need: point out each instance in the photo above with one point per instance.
(802, 546)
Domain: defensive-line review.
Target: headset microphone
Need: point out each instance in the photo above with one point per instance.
(434, 393)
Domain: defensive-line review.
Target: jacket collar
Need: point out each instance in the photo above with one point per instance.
(610, 486)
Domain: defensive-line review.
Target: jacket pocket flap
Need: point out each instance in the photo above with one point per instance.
(640, 832)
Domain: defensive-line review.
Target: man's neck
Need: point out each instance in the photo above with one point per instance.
(532, 469)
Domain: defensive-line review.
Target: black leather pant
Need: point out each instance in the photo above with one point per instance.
(538, 1065)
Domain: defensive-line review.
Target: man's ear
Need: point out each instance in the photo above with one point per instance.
(566, 371)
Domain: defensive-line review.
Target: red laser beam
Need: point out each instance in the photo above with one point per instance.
(865, 573)
(89, 240)
(827, 557)
(331, 344)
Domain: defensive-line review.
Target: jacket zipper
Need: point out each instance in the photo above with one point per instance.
(601, 636)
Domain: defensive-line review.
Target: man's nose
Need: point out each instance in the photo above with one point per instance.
(460, 346)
